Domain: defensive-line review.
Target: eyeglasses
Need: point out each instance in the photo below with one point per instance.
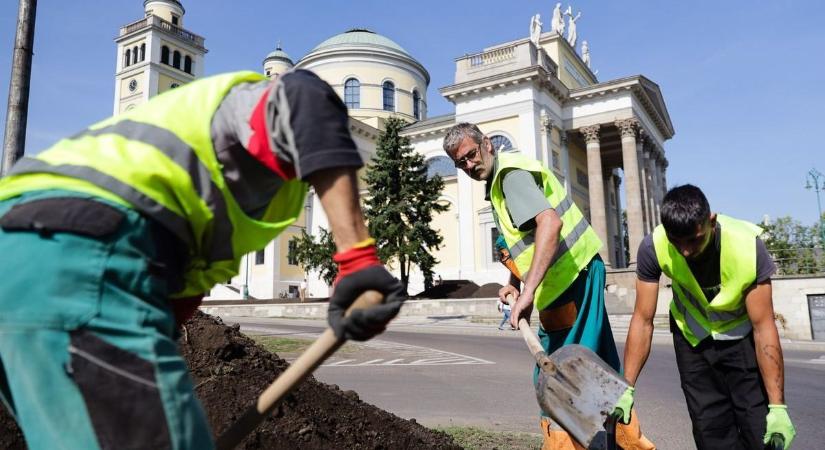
(470, 156)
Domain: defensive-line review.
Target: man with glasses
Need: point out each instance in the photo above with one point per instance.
(556, 254)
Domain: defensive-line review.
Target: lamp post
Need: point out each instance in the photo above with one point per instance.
(818, 185)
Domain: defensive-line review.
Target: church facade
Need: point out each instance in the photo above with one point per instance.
(604, 140)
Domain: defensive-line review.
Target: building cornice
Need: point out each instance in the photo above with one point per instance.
(533, 74)
(372, 53)
(646, 91)
(434, 126)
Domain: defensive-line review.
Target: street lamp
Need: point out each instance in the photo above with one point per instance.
(818, 185)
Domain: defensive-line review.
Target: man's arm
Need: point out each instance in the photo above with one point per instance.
(637, 346)
(759, 303)
(337, 190)
(548, 232)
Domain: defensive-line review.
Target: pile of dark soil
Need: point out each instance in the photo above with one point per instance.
(450, 289)
(487, 291)
(230, 371)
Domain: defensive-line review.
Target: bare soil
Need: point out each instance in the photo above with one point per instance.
(230, 371)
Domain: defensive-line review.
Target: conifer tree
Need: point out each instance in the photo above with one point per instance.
(401, 204)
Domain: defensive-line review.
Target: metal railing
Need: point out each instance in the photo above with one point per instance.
(169, 27)
(799, 260)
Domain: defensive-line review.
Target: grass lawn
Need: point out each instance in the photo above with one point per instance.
(286, 347)
(472, 438)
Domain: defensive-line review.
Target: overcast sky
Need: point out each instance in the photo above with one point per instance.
(743, 81)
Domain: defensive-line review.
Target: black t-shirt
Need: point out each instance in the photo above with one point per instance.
(705, 269)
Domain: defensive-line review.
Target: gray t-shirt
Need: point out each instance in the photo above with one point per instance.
(705, 270)
(524, 198)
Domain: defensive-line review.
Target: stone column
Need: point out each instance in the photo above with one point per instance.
(617, 181)
(643, 179)
(565, 160)
(595, 181)
(633, 191)
(546, 139)
(653, 187)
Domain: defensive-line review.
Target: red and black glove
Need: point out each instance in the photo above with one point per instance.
(360, 270)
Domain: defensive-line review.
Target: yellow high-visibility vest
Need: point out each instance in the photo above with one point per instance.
(159, 159)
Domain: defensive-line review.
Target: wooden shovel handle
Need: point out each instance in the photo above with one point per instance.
(312, 357)
(531, 339)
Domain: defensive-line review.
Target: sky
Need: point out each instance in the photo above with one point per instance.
(744, 81)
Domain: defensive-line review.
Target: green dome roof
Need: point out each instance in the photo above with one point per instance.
(278, 54)
(360, 37)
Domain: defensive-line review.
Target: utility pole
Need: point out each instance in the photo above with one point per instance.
(818, 185)
(14, 140)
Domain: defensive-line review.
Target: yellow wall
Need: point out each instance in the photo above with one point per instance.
(165, 83)
(129, 99)
(287, 271)
(372, 76)
(508, 125)
(578, 161)
(447, 225)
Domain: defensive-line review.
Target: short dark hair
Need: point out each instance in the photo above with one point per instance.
(684, 208)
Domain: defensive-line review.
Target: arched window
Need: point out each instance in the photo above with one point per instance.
(176, 59)
(501, 143)
(164, 54)
(127, 57)
(352, 93)
(441, 165)
(187, 64)
(142, 51)
(389, 96)
(416, 105)
(135, 55)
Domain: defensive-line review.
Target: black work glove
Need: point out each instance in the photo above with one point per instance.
(363, 324)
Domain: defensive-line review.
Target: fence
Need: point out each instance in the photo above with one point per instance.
(799, 260)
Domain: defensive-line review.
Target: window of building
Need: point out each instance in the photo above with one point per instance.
(135, 55)
(291, 258)
(142, 52)
(441, 165)
(174, 85)
(127, 57)
(187, 64)
(268, 72)
(416, 105)
(164, 54)
(581, 178)
(389, 96)
(556, 160)
(175, 19)
(260, 257)
(501, 143)
(352, 93)
(176, 60)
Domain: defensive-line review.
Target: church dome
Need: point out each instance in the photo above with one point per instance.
(360, 37)
(278, 55)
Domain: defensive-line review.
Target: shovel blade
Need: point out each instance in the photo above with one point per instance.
(580, 392)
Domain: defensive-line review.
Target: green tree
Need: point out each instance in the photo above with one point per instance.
(401, 204)
(794, 246)
(317, 255)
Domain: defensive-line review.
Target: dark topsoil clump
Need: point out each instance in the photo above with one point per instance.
(230, 371)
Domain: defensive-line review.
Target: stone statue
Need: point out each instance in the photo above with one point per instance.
(586, 54)
(535, 29)
(571, 26)
(557, 23)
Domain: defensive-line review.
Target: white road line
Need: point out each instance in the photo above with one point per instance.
(389, 363)
(343, 361)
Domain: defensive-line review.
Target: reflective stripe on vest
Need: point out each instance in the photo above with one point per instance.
(725, 316)
(578, 243)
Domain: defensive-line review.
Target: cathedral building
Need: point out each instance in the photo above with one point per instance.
(604, 140)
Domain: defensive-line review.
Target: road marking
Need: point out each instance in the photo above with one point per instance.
(404, 354)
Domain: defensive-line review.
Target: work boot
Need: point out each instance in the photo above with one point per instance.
(555, 438)
(630, 437)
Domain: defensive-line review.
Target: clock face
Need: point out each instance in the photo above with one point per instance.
(133, 85)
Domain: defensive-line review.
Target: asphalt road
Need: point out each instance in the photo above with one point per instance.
(473, 376)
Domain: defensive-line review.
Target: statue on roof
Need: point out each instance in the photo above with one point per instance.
(572, 36)
(535, 29)
(557, 23)
(586, 54)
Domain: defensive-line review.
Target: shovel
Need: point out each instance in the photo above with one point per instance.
(576, 388)
(312, 357)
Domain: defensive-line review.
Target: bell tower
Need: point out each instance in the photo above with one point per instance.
(155, 54)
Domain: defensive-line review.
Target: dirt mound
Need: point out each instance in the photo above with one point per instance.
(450, 289)
(230, 370)
(487, 291)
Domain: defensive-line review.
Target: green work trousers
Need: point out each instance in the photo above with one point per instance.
(87, 336)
